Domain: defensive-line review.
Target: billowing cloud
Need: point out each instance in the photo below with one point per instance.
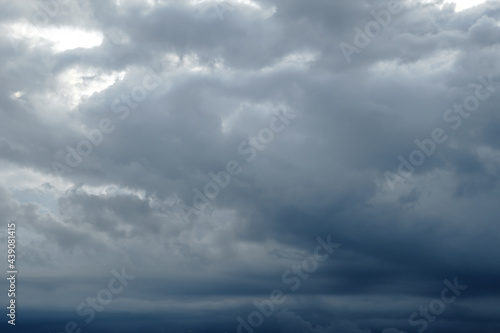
(213, 149)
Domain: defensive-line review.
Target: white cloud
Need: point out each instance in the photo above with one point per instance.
(466, 4)
(60, 39)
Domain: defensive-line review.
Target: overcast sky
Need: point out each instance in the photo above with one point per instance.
(195, 159)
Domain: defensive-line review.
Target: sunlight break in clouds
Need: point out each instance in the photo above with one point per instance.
(466, 4)
(60, 39)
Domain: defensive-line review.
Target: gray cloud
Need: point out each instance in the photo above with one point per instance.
(219, 82)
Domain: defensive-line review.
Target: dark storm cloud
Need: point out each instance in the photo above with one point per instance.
(215, 82)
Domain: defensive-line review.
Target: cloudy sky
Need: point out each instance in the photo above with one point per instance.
(251, 165)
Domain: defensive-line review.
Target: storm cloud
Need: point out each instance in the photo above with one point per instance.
(216, 150)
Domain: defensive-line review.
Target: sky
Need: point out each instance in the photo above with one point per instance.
(274, 166)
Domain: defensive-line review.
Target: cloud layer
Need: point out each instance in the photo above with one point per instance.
(115, 115)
